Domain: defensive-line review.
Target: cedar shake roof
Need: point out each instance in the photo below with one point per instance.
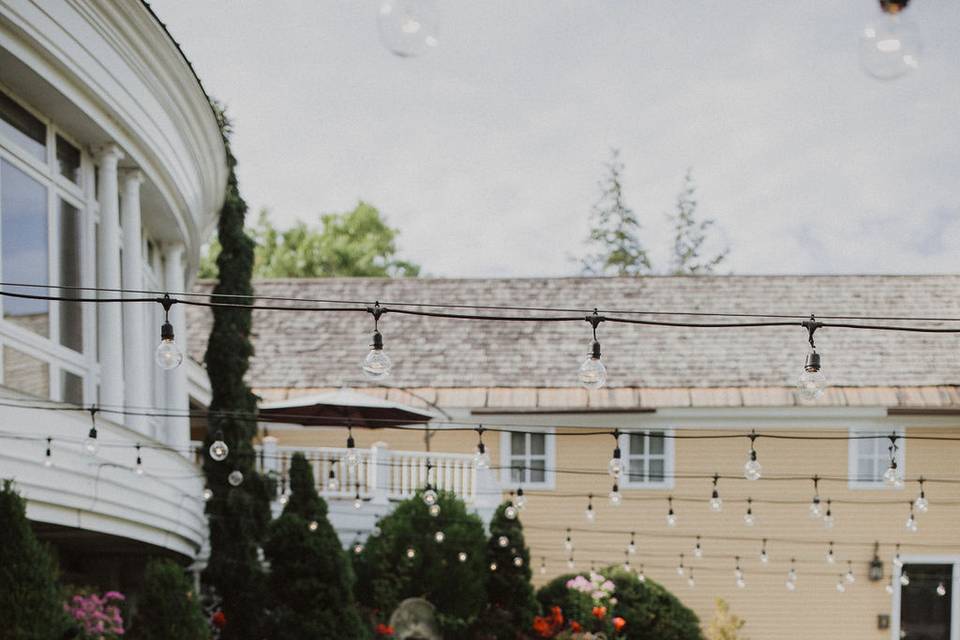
(502, 364)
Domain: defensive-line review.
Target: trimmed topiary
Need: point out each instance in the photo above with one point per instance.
(169, 608)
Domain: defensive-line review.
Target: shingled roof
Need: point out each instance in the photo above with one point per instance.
(297, 350)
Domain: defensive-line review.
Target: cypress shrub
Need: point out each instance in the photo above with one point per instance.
(169, 609)
(511, 604)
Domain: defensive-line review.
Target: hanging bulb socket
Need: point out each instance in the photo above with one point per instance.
(893, 7)
(377, 364)
(593, 373)
(167, 355)
(48, 459)
(812, 363)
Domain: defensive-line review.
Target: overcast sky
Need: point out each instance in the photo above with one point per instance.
(486, 152)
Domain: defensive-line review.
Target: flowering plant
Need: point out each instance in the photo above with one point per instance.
(384, 630)
(99, 617)
(591, 601)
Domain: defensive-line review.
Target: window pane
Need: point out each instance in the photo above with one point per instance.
(865, 469)
(71, 315)
(656, 443)
(538, 444)
(71, 386)
(637, 470)
(68, 157)
(25, 373)
(517, 470)
(924, 614)
(23, 225)
(537, 470)
(19, 125)
(517, 444)
(656, 471)
(637, 445)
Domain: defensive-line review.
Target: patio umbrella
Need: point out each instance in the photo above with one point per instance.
(343, 407)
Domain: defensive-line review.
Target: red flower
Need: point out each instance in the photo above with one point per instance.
(383, 630)
(599, 612)
(219, 619)
(575, 626)
(547, 627)
(619, 623)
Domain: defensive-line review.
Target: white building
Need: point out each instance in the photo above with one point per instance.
(112, 172)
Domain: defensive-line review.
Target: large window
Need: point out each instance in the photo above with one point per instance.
(44, 223)
(648, 457)
(527, 458)
(869, 453)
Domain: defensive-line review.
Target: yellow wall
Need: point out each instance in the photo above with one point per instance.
(815, 609)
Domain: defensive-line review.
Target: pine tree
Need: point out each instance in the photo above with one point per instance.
(510, 598)
(30, 603)
(238, 516)
(615, 230)
(169, 609)
(311, 580)
(689, 235)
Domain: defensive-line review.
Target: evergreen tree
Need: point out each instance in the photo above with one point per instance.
(689, 235)
(311, 580)
(615, 230)
(238, 516)
(387, 574)
(30, 604)
(169, 609)
(510, 599)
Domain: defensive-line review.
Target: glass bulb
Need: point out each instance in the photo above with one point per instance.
(352, 457)
(408, 28)
(207, 494)
(828, 521)
(698, 551)
(679, 569)
(850, 578)
(891, 476)
(897, 561)
(219, 450)
(590, 515)
(570, 564)
(139, 469)
(462, 556)
(284, 498)
(764, 558)
(752, 470)
(376, 365)
(168, 355)
(48, 462)
(503, 541)
(811, 384)
(941, 590)
(741, 583)
(543, 569)
(357, 503)
(376, 531)
(889, 587)
(332, 484)
(641, 577)
(510, 513)
(358, 548)
(568, 544)
(890, 47)
(840, 586)
(691, 583)
(235, 478)
(434, 510)
(912, 526)
(815, 510)
(439, 536)
(493, 566)
(314, 525)
(592, 374)
(520, 502)
(831, 559)
(716, 504)
(671, 520)
(517, 561)
(91, 445)
(791, 586)
(615, 468)
(921, 504)
(748, 519)
(430, 497)
(631, 548)
(615, 498)
(411, 552)
(481, 460)
(904, 579)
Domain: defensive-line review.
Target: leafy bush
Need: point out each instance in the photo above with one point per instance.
(311, 580)
(725, 625)
(30, 602)
(511, 604)
(169, 609)
(649, 610)
(97, 617)
(387, 575)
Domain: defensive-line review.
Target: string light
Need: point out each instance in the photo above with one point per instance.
(434, 510)
(831, 558)
(690, 581)
(632, 545)
(377, 364)
(503, 541)
(481, 460)
(680, 568)
(716, 503)
(626, 561)
(167, 355)
(568, 542)
(849, 577)
(615, 498)
(313, 526)
(921, 502)
(892, 476)
(493, 566)
(48, 457)
(235, 478)
(912, 526)
(640, 575)
(91, 445)
(738, 575)
(589, 513)
(671, 516)
(891, 44)
(841, 588)
(764, 558)
(570, 563)
(411, 553)
(207, 494)
(592, 373)
(139, 468)
(429, 496)
(357, 500)
(828, 515)
(284, 492)
(218, 448)
(510, 511)
(748, 518)
(897, 560)
(517, 561)
(815, 510)
(439, 537)
(752, 469)
(462, 556)
(697, 549)
(811, 382)
(352, 457)
(941, 590)
(521, 500)
(904, 579)
(791, 583)
(357, 547)
(332, 484)
(543, 565)
(889, 586)
(615, 466)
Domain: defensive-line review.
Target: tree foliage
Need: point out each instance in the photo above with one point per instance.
(615, 230)
(649, 609)
(169, 609)
(387, 576)
(725, 625)
(29, 594)
(689, 235)
(356, 243)
(311, 581)
(238, 516)
(511, 604)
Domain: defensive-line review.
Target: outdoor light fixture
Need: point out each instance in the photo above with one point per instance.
(792, 576)
(904, 579)
(911, 525)
(592, 373)
(680, 568)
(716, 502)
(897, 560)
(235, 478)
(218, 448)
(352, 456)
(748, 518)
(543, 565)
(139, 468)
(589, 513)
(481, 460)
(891, 45)
(764, 558)
(941, 590)
(738, 575)
(841, 588)
(632, 546)
(697, 549)
(615, 498)
(434, 510)
(357, 500)
(892, 476)
(831, 558)
(521, 500)
(921, 502)
(752, 470)
(284, 492)
(828, 516)
(408, 28)
(671, 516)
(849, 577)
(168, 355)
(570, 563)
(332, 484)
(811, 382)
(47, 458)
(377, 364)
(439, 537)
(875, 574)
(462, 556)
(207, 494)
(568, 542)
(690, 581)
(815, 511)
(503, 541)
(91, 445)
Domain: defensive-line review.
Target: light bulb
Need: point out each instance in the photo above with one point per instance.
(352, 457)
(680, 568)
(462, 556)
(139, 469)
(408, 28)
(891, 45)
(358, 548)
(168, 355)
(358, 503)
(543, 568)
(815, 511)
(48, 459)
(503, 541)
(791, 586)
(626, 566)
(411, 553)
(235, 478)
(592, 373)
(921, 503)
(615, 498)
(284, 498)
(698, 551)
(716, 502)
(517, 561)
(207, 494)
(671, 519)
(632, 548)
(481, 460)
(439, 537)
(891, 477)
(430, 496)
(741, 583)
(434, 510)
(590, 515)
(828, 521)
(521, 500)
(493, 566)
(840, 586)
(615, 466)
(218, 449)
(376, 365)
(690, 582)
(897, 560)
(332, 484)
(811, 382)
(568, 544)
(764, 558)
(313, 525)
(748, 519)
(831, 559)
(510, 512)
(912, 526)
(941, 590)
(91, 445)
(889, 586)
(752, 469)
(904, 579)
(570, 563)
(641, 576)
(376, 531)
(850, 578)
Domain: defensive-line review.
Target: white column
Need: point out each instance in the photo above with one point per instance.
(110, 316)
(175, 387)
(135, 343)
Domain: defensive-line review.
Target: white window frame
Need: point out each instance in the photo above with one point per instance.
(669, 459)
(550, 459)
(953, 560)
(853, 455)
